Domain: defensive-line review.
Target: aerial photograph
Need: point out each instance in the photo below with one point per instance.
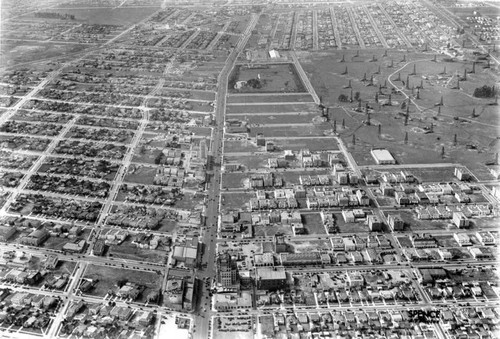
(249, 169)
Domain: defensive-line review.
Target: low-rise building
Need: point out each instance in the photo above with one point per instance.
(270, 278)
(462, 239)
(485, 238)
(374, 223)
(395, 222)
(460, 220)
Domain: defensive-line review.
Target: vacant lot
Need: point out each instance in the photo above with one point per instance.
(256, 98)
(271, 108)
(270, 78)
(109, 276)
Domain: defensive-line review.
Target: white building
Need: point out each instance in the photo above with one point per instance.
(382, 157)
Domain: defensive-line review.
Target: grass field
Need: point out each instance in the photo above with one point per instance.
(141, 175)
(268, 231)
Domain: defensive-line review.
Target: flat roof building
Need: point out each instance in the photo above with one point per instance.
(382, 157)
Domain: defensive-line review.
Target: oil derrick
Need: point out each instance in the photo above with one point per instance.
(379, 129)
(425, 48)
(377, 71)
(389, 102)
(376, 97)
(364, 77)
(392, 64)
(441, 102)
(414, 70)
(434, 59)
(444, 70)
(350, 98)
(373, 58)
(458, 84)
(439, 110)
(359, 106)
(343, 58)
(385, 53)
(421, 84)
(473, 67)
(474, 112)
(465, 75)
(406, 138)
(348, 85)
(442, 152)
(343, 123)
(431, 128)
(408, 82)
(354, 139)
(368, 121)
(418, 93)
(334, 126)
(371, 81)
(385, 83)
(357, 53)
(404, 58)
(380, 89)
(455, 139)
(344, 72)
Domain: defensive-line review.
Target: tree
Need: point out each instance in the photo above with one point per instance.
(343, 98)
(485, 92)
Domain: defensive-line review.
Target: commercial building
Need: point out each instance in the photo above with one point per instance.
(187, 252)
(382, 157)
(395, 222)
(35, 238)
(227, 270)
(270, 278)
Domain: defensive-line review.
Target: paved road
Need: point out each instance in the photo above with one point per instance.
(215, 183)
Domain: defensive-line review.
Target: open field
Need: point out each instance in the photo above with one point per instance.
(233, 180)
(272, 109)
(253, 161)
(243, 145)
(128, 251)
(272, 78)
(104, 16)
(256, 98)
(269, 120)
(109, 276)
(235, 201)
(475, 135)
(313, 223)
(17, 52)
(313, 144)
(290, 131)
